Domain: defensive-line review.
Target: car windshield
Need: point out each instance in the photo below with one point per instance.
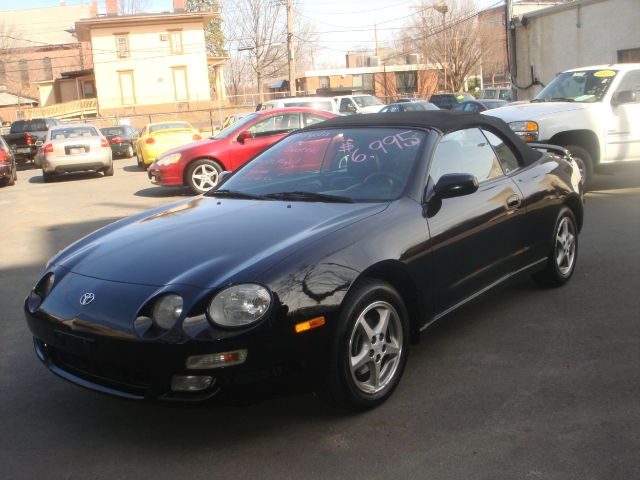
(168, 126)
(349, 164)
(367, 101)
(584, 86)
(73, 132)
(28, 126)
(236, 127)
(492, 105)
(113, 131)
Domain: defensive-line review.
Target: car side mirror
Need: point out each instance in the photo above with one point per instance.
(625, 96)
(244, 135)
(39, 143)
(455, 185)
(217, 129)
(223, 176)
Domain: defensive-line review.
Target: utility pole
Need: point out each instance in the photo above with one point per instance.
(375, 26)
(292, 63)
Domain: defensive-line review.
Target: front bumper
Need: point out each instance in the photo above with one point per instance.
(119, 148)
(166, 175)
(279, 363)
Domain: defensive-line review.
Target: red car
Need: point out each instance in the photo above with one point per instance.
(199, 165)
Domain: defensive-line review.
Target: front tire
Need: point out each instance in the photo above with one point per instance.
(563, 255)
(203, 175)
(370, 348)
(585, 164)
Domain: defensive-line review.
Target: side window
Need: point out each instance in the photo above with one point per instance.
(630, 81)
(275, 124)
(312, 119)
(394, 109)
(344, 104)
(507, 158)
(446, 102)
(465, 151)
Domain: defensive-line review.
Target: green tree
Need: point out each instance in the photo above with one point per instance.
(215, 40)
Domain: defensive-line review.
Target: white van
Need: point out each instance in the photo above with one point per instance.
(358, 104)
(317, 103)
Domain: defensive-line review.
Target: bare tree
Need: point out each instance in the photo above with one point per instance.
(131, 7)
(459, 40)
(494, 45)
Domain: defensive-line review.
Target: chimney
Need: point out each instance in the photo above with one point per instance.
(63, 3)
(178, 6)
(112, 8)
(93, 10)
(351, 60)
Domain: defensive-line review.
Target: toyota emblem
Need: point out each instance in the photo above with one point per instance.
(87, 298)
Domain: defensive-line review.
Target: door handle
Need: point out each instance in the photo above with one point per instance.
(513, 201)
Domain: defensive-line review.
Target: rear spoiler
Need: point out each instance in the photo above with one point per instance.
(550, 148)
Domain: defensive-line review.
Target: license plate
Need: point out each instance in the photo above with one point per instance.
(74, 151)
(23, 150)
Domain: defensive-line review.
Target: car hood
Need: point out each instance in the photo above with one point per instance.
(207, 241)
(530, 111)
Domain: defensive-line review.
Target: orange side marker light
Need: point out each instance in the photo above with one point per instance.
(308, 325)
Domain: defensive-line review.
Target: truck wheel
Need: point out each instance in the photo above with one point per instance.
(47, 177)
(585, 163)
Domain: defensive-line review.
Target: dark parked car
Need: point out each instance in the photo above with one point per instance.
(24, 134)
(122, 139)
(198, 165)
(477, 106)
(311, 267)
(408, 107)
(447, 101)
(8, 172)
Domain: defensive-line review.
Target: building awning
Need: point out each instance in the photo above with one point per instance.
(77, 73)
(280, 84)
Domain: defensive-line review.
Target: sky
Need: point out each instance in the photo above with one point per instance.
(343, 24)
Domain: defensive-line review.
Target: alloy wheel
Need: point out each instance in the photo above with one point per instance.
(565, 246)
(375, 347)
(205, 177)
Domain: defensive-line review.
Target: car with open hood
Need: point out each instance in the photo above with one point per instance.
(312, 267)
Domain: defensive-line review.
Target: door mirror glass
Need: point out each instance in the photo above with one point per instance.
(39, 143)
(625, 96)
(244, 135)
(453, 185)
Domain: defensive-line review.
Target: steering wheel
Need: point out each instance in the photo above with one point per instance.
(384, 179)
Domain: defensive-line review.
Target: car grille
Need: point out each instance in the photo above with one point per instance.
(129, 379)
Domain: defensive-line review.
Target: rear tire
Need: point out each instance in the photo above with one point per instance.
(563, 255)
(203, 175)
(130, 152)
(585, 163)
(47, 177)
(140, 160)
(370, 348)
(108, 172)
(12, 178)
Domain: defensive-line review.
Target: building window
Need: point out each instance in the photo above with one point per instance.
(127, 88)
(46, 66)
(324, 82)
(405, 82)
(357, 80)
(88, 89)
(629, 56)
(180, 84)
(367, 83)
(176, 42)
(122, 46)
(24, 73)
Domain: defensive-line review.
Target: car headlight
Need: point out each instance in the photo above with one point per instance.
(239, 305)
(167, 310)
(44, 286)
(527, 130)
(169, 159)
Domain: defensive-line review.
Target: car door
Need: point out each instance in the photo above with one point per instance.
(265, 131)
(622, 129)
(477, 239)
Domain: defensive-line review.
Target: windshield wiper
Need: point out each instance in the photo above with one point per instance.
(233, 194)
(560, 99)
(309, 197)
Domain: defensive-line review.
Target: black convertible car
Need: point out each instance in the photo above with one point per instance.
(312, 267)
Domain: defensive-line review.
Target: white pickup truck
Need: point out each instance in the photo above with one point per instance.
(593, 112)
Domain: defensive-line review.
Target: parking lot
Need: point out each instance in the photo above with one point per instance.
(531, 383)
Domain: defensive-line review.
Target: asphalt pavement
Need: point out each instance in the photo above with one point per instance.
(531, 383)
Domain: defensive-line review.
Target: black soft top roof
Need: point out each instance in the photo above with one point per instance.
(443, 120)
